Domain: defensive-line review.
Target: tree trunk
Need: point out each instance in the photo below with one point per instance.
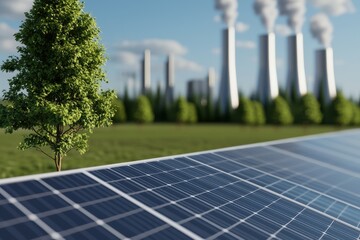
(58, 161)
(58, 156)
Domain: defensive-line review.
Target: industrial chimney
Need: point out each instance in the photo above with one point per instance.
(211, 78)
(267, 84)
(228, 96)
(325, 87)
(170, 80)
(296, 78)
(146, 73)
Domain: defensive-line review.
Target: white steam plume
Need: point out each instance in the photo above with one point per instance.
(268, 12)
(295, 11)
(229, 10)
(334, 7)
(322, 29)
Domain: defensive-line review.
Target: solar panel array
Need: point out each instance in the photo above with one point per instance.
(307, 188)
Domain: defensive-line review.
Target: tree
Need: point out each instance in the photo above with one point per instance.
(143, 112)
(181, 110)
(280, 112)
(259, 113)
(307, 110)
(355, 114)
(120, 113)
(340, 110)
(245, 112)
(192, 113)
(56, 90)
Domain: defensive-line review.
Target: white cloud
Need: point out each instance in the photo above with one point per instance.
(7, 40)
(216, 51)
(241, 27)
(128, 59)
(246, 44)
(335, 7)
(187, 65)
(283, 30)
(156, 46)
(14, 9)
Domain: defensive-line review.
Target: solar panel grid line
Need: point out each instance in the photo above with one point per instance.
(312, 160)
(324, 233)
(190, 210)
(143, 206)
(52, 233)
(310, 189)
(86, 213)
(245, 220)
(289, 199)
(284, 226)
(319, 193)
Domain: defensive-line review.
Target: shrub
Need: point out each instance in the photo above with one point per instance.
(245, 113)
(181, 110)
(307, 111)
(340, 111)
(259, 113)
(120, 113)
(279, 112)
(143, 112)
(192, 113)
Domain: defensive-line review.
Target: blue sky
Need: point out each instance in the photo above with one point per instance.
(191, 30)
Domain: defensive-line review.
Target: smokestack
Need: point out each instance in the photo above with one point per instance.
(228, 96)
(170, 80)
(146, 73)
(296, 79)
(325, 87)
(268, 84)
(211, 78)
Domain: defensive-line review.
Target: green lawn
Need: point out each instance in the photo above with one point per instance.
(132, 142)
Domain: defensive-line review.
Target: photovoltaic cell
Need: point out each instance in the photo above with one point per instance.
(306, 188)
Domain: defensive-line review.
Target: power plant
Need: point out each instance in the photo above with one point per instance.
(170, 80)
(228, 95)
(267, 81)
(146, 72)
(325, 87)
(296, 77)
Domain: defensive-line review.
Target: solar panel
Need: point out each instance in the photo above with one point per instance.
(303, 188)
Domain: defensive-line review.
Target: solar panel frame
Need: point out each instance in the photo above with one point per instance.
(192, 165)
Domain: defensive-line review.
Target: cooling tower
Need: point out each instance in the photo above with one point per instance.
(228, 95)
(325, 87)
(296, 78)
(267, 84)
(170, 80)
(211, 78)
(146, 73)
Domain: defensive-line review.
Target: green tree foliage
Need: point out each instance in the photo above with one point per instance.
(340, 112)
(192, 113)
(245, 113)
(56, 90)
(120, 113)
(307, 110)
(181, 110)
(143, 111)
(355, 114)
(259, 113)
(279, 112)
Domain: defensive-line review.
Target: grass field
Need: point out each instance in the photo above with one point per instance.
(133, 142)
